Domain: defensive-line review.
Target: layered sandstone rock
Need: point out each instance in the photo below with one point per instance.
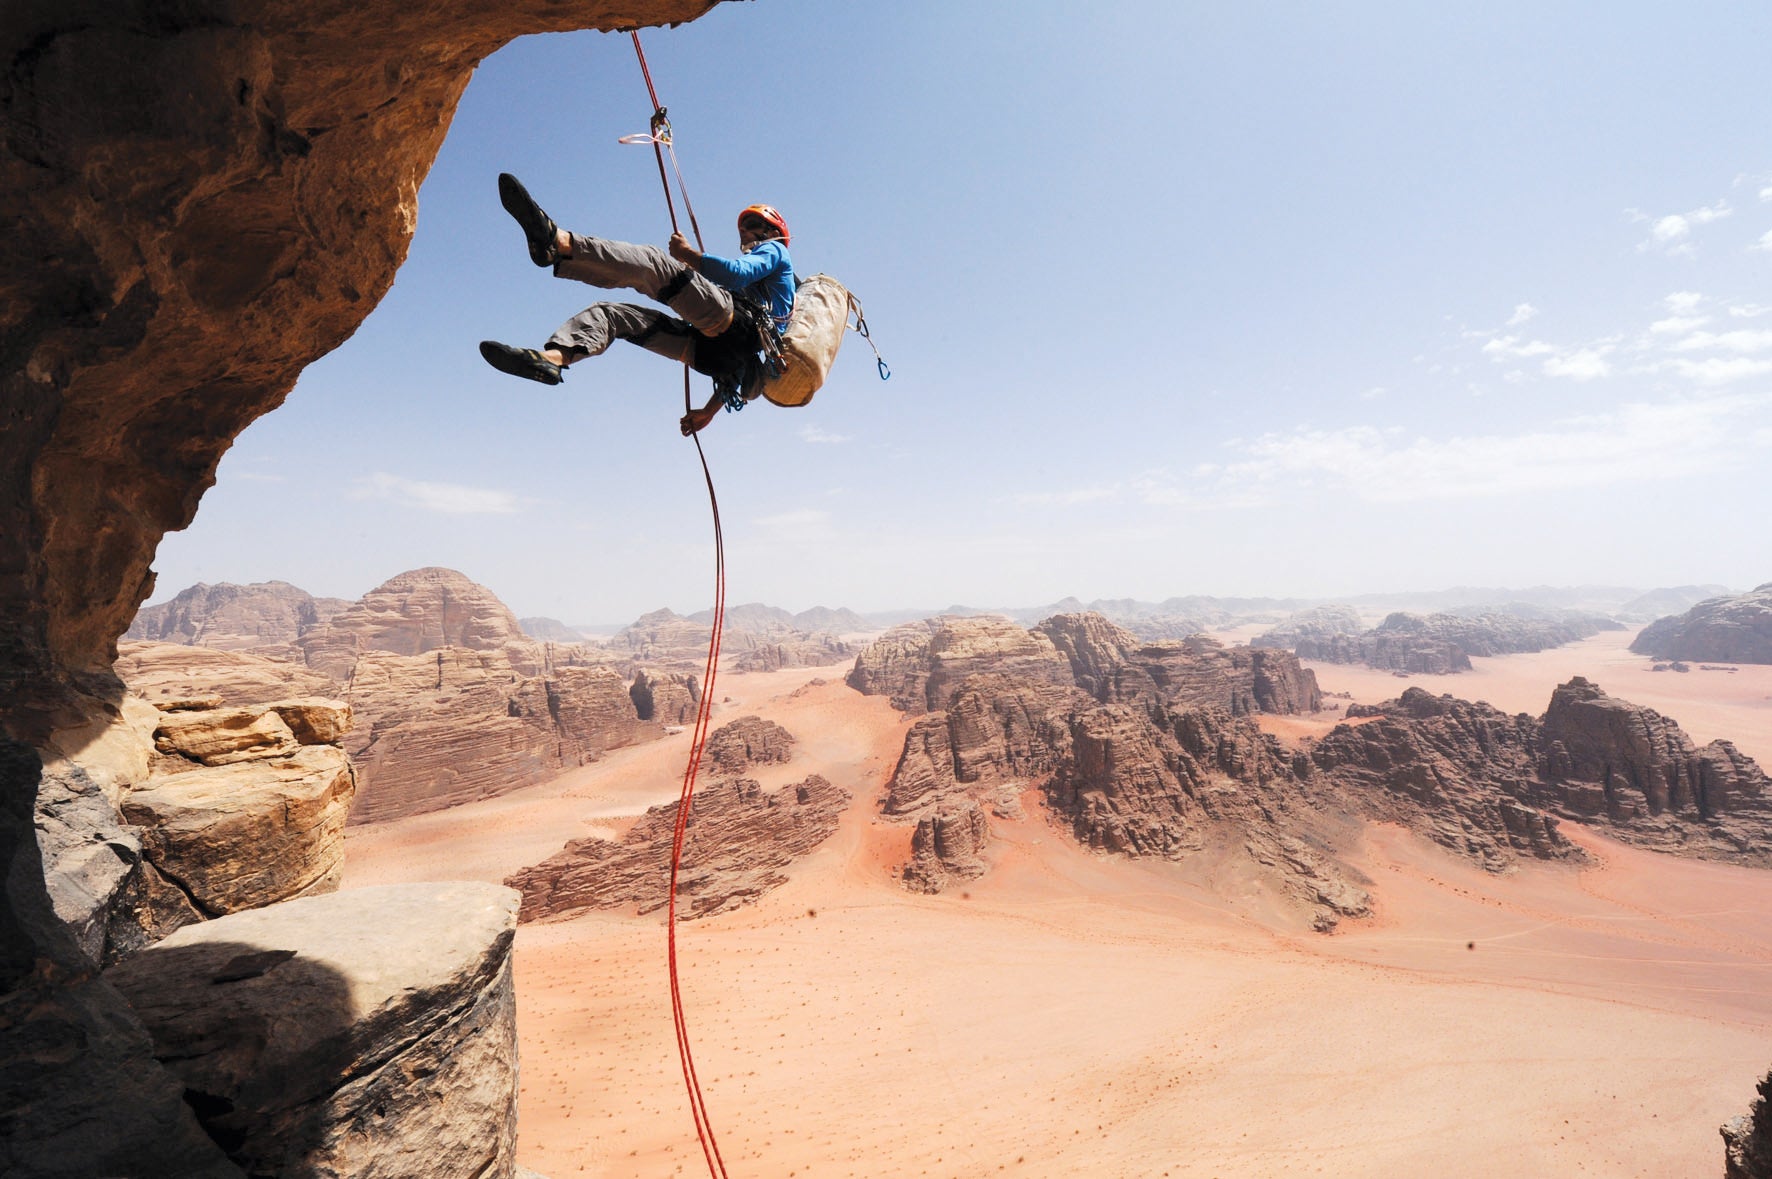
(1137, 776)
(366, 1033)
(738, 841)
(1609, 760)
(948, 847)
(241, 836)
(267, 615)
(417, 612)
(748, 741)
(455, 725)
(1462, 774)
(1735, 629)
(1491, 785)
(165, 673)
(665, 697)
(896, 665)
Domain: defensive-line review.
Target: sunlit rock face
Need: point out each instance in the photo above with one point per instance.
(201, 199)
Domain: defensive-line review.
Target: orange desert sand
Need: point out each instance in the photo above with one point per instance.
(1078, 1015)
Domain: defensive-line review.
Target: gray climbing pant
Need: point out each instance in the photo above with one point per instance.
(706, 309)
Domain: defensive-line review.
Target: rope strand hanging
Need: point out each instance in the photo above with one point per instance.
(660, 139)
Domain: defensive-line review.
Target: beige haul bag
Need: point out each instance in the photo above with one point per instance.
(809, 345)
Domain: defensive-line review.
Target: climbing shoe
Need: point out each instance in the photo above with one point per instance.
(538, 229)
(521, 362)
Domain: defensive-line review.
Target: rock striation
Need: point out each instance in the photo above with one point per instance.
(1721, 630)
(919, 665)
(262, 617)
(366, 1033)
(1141, 749)
(415, 613)
(454, 725)
(948, 847)
(738, 840)
(1463, 774)
(166, 673)
(748, 741)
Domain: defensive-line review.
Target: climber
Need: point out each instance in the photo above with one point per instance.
(727, 305)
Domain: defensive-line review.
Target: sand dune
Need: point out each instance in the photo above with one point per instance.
(1079, 1015)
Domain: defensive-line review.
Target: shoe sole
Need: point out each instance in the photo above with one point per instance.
(538, 228)
(519, 362)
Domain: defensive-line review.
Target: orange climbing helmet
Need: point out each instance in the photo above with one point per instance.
(768, 213)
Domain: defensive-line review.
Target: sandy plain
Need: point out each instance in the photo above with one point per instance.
(1075, 1015)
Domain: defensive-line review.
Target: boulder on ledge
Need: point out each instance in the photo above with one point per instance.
(368, 1033)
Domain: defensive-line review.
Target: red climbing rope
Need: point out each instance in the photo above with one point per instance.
(660, 139)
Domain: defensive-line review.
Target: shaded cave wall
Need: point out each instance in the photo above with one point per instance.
(201, 198)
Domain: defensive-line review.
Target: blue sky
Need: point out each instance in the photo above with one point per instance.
(1278, 299)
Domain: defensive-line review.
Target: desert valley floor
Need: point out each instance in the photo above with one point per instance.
(1079, 1015)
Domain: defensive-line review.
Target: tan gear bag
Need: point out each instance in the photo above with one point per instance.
(809, 345)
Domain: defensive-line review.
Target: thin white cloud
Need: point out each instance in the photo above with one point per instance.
(1765, 242)
(1521, 314)
(1683, 302)
(1740, 340)
(815, 435)
(1749, 311)
(1766, 193)
(1584, 364)
(802, 526)
(453, 499)
(1671, 233)
(1716, 370)
(1633, 443)
(1503, 347)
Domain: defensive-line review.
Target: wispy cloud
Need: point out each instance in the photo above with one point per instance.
(1671, 233)
(452, 499)
(815, 435)
(1521, 314)
(1765, 242)
(797, 527)
(1633, 443)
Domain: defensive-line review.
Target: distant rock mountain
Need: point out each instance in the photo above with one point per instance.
(1660, 603)
(227, 617)
(1149, 750)
(417, 612)
(1436, 644)
(453, 701)
(1319, 624)
(550, 630)
(1722, 630)
(761, 619)
(1144, 749)
(1491, 786)
(669, 640)
(920, 665)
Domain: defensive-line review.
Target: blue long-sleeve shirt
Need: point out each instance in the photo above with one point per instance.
(765, 267)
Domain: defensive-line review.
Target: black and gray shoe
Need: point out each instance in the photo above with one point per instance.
(538, 228)
(521, 362)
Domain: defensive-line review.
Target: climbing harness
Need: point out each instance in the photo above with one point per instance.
(660, 139)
